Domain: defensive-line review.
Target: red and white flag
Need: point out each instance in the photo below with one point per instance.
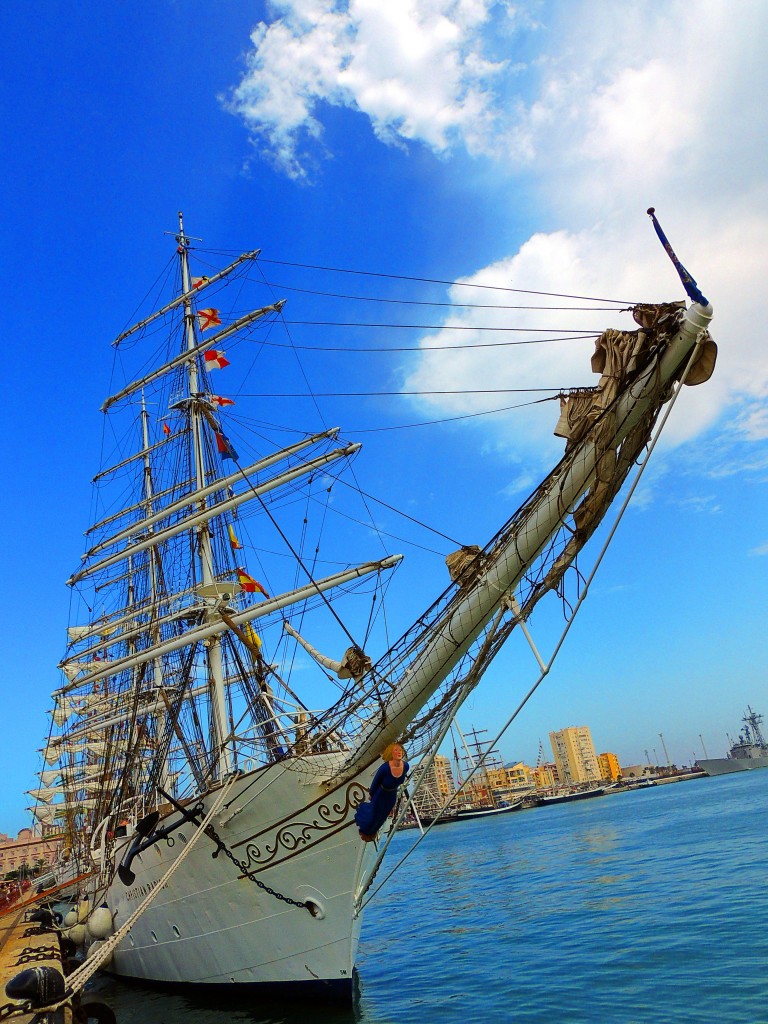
(220, 400)
(198, 282)
(214, 359)
(208, 318)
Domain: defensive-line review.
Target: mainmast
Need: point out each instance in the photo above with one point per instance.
(203, 538)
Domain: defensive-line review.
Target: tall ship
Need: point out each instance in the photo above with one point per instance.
(222, 707)
(750, 751)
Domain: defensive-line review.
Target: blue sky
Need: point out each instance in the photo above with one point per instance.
(497, 143)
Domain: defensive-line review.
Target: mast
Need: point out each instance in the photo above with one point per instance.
(204, 512)
(154, 567)
(223, 483)
(202, 544)
(752, 722)
(198, 287)
(477, 756)
(213, 625)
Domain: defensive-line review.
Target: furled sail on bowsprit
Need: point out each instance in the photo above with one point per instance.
(420, 683)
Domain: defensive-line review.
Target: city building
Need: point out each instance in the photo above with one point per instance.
(609, 766)
(436, 789)
(510, 780)
(575, 755)
(638, 771)
(545, 776)
(443, 776)
(27, 851)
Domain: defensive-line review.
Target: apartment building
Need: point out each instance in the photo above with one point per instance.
(575, 755)
(610, 769)
(438, 785)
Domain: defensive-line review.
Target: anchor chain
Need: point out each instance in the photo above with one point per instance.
(221, 847)
(14, 1009)
(35, 954)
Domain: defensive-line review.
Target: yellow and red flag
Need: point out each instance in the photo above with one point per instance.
(234, 542)
(251, 636)
(249, 584)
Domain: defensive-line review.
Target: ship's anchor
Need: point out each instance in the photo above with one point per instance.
(147, 834)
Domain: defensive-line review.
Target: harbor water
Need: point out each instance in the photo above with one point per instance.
(632, 908)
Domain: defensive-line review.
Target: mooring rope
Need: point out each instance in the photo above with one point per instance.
(77, 980)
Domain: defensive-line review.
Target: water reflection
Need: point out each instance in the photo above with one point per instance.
(139, 1004)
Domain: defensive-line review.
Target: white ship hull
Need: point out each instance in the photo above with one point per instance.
(212, 926)
(728, 765)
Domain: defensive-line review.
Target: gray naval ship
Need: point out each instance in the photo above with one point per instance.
(751, 750)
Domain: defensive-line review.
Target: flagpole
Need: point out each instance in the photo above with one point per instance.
(691, 288)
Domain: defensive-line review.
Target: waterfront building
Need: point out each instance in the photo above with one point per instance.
(575, 755)
(437, 787)
(28, 851)
(638, 771)
(443, 776)
(545, 776)
(511, 779)
(609, 766)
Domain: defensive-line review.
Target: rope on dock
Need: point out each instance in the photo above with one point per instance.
(79, 977)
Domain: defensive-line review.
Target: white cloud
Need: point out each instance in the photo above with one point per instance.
(611, 108)
(417, 70)
(701, 503)
(595, 262)
(646, 105)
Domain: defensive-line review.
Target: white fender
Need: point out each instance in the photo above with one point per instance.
(76, 934)
(100, 922)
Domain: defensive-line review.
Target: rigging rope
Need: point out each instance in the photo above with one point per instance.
(78, 979)
(431, 348)
(545, 670)
(452, 305)
(553, 392)
(435, 280)
(296, 555)
(416, 302)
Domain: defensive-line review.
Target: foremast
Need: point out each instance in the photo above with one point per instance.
(169, 675)
(203, 547)
(414, 678)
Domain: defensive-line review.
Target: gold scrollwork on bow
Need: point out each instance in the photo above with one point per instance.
(300, 835)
